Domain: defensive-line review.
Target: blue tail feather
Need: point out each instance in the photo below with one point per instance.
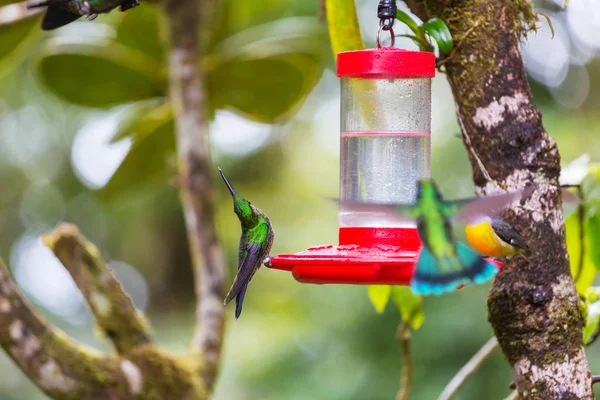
(239, 301)
(430, 278)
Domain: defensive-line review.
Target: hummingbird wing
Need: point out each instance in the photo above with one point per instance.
(471, 211)
(399, 213)
(246, 270)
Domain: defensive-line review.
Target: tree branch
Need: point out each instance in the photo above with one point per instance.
(113, 310)
(403, 337)
(185, 22)
(58, 365)
(417, 7)
(469, 369)
(533, 304)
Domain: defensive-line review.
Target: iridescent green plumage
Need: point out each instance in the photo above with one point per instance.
(443, 263)
(63, 12)
(255, 243)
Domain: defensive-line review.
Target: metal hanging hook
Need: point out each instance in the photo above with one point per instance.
(386, 12)
(383, 27)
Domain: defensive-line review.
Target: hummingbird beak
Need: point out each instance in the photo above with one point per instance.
(231, 189)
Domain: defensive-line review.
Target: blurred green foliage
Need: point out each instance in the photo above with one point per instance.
(264, 58)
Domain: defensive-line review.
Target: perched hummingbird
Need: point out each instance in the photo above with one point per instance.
(255, 244)
(63, 12)
(494, 237)
(443, 263)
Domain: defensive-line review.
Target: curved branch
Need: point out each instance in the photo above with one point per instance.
(197, 193)
(113, 310)
(469, 369)
(61, 367)
(533, 304)
(403, 337)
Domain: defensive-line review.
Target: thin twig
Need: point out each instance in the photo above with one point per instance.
(469, 144)
(403, 337)
(595, 379)
(113, 310)
(186, 21)
(469, 369)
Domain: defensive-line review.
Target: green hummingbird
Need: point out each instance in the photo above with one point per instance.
(443, 263)
(255, 244)
(63, 12)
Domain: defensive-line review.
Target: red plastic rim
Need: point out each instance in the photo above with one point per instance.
(406, 238)
(385, 63)
(365, 256)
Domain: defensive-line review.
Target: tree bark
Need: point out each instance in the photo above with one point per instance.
(534, 307)
(185, 20)
(65, 369)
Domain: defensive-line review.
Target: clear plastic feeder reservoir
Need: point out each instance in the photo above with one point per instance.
(385, 128)
(385, 147)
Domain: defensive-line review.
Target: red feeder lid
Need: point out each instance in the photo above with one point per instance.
(386, 63)
(365, 256)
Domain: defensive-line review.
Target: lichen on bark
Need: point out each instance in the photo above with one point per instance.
(533, 304)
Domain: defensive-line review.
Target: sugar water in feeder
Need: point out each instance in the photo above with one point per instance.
(385, 129)
(384, 150)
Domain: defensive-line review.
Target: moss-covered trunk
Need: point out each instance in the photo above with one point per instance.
(533, 304)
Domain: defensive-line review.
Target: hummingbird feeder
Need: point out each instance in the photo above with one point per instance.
(384, 150)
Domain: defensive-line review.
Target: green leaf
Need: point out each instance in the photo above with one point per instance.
(148, 159)
(409, 305)
(99, 73)
(379, 296)
(16, 39)
(142, 118)
(437, 29)
(592, 321)
(593, 236)
(342, 22)
(228, 17)
(140, 30)
(264, 73)
(583, 274)
(408, 21)
(415, 39)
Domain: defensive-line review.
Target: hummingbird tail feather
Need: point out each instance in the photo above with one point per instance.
(430, 279)
(239, 301)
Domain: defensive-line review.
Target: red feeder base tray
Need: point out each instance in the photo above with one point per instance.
(365, 256)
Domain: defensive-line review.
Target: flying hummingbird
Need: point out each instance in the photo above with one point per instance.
(255, 244)
(63, 12)
(443, 263)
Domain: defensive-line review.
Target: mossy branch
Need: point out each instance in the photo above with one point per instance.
(58, 365)
(67, 370)
(533, 305)
(186, 20)
(113, 310)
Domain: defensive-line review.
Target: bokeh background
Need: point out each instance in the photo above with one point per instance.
(59, 112)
